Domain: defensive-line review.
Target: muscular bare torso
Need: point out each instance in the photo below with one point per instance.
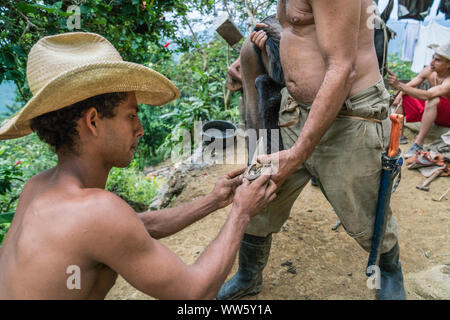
(45, 238)
(303, 64)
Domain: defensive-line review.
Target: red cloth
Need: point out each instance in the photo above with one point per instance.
(414, 110)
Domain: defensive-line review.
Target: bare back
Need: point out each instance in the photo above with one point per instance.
(303, 64)
(45, 238)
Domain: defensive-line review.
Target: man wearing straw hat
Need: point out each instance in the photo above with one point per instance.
(426, 106)
(70, 238)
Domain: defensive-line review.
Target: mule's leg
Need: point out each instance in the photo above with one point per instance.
(250, 70)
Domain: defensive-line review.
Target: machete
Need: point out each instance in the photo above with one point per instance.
(391, 163)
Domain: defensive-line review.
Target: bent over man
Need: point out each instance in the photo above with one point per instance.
(330, 120)
(85, 105)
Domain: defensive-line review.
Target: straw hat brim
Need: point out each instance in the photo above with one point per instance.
(86, 81)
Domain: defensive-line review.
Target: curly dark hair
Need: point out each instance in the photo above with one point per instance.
(58, 128)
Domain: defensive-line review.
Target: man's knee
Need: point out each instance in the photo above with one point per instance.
(364, 236)
(432, 103)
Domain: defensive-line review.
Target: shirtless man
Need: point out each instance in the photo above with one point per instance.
(330, 119)
(427, 106)
(65, 220)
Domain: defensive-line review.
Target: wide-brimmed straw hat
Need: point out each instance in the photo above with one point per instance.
(71, 67)
(443, 50)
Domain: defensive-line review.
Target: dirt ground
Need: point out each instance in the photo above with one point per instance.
(328, 264)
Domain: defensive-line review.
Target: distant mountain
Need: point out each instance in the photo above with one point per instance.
(7, 95)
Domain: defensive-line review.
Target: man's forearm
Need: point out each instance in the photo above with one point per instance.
(414, 92)
(215, 263)
(326, 106)
(163, 223)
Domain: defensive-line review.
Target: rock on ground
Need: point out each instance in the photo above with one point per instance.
(433, 283)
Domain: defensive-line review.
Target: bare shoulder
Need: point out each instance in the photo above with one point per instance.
(87, 218)
(112, 223)
(104, 198)
(105, 206)
(426, 73)
(38, 179)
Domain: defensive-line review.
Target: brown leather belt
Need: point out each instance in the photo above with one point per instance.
(297, 117)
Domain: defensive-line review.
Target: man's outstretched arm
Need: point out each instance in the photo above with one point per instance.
(434, 92)
(163, 223)
(118, 239)
(415, 82)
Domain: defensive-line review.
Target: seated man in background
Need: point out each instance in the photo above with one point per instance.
(427, 106)
(85, 105)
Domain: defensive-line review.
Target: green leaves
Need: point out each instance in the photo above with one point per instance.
(3, 230)
(100, 20)
(132, 186)
(5, 223)
(130, 26)
(8, 174)
(26, 7)
(20, 159)
(7, 58)
(6, 217)
(401, 68)
(32, 8)
(202, 91)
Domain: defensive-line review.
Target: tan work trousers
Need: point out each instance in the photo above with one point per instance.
(346, 163)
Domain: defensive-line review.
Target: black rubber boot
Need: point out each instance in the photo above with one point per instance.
(253, 256)
(391, 276)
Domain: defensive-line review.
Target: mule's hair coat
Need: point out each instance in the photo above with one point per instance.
(268, 86)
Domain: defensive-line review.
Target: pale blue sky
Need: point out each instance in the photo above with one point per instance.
(7, 95)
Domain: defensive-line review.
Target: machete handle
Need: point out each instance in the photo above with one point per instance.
(394, 142)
